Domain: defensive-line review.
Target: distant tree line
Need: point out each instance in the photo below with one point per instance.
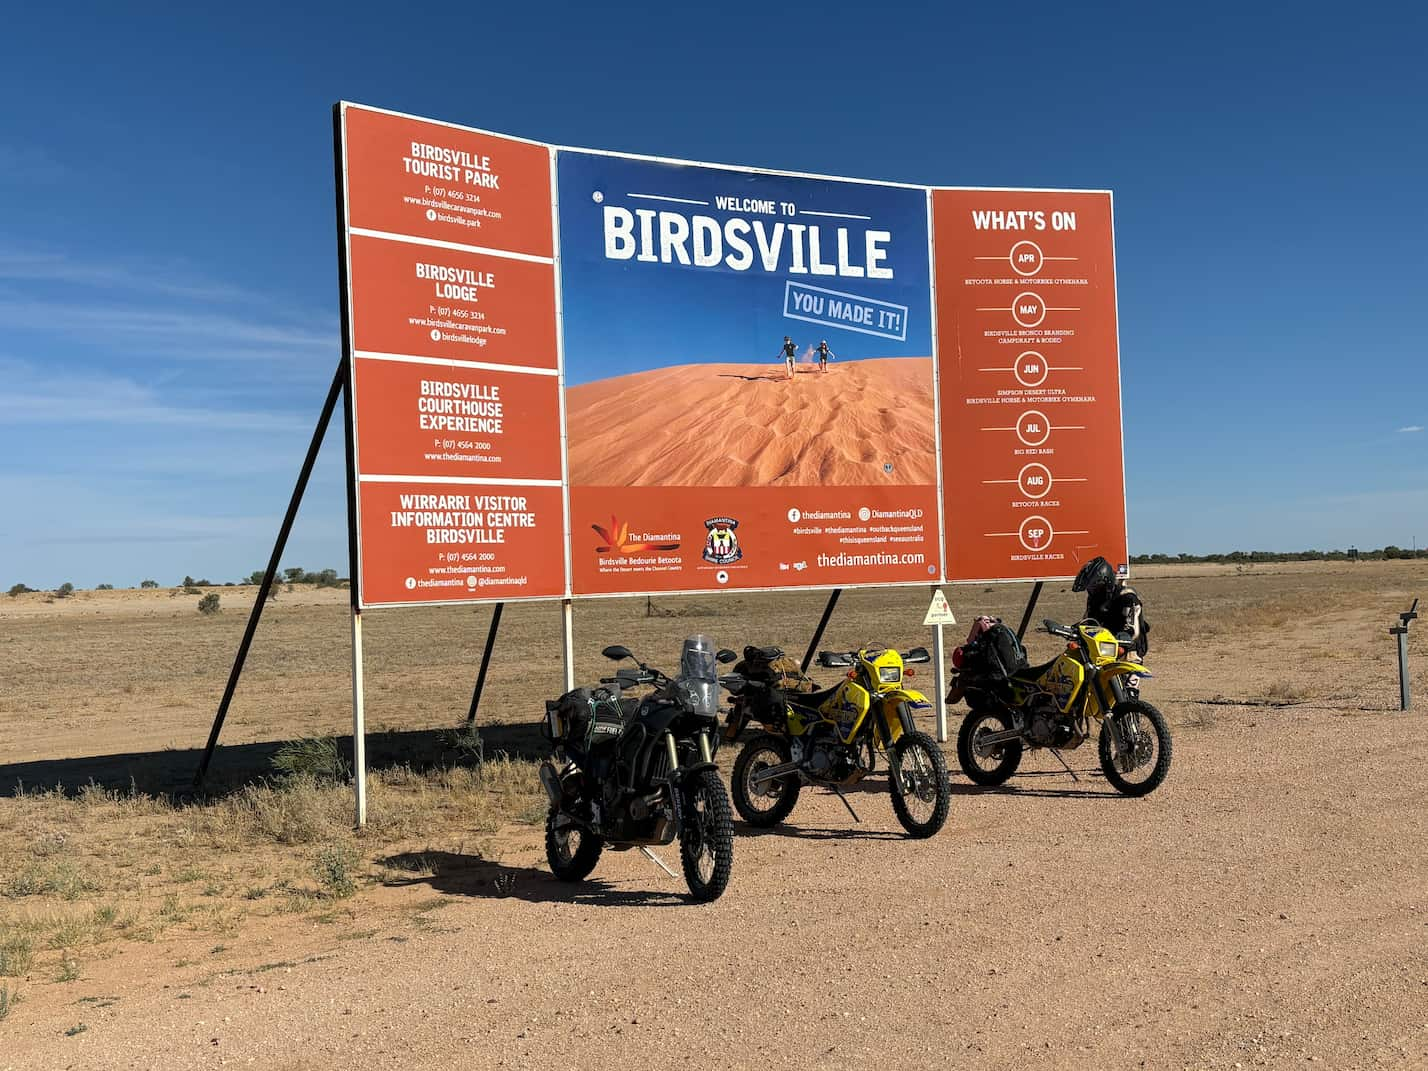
(323, 578)
(1255, 557)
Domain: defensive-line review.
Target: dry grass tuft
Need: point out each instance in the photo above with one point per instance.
(282, 846)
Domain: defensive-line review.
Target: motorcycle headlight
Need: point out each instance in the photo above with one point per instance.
(1110, 649)
(889, 674)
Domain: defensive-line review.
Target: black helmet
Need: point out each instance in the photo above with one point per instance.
(1096, 575)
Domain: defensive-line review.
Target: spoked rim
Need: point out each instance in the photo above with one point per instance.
(1144, 753)
(987, 757)
(568, 840)
(704, 855)
(764, 797)
(915, 778)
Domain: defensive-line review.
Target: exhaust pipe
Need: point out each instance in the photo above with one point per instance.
(550, 781)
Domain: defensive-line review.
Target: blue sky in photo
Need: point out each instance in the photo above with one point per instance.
(168, 287)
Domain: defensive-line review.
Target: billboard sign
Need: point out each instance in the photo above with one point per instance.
(586, 373)
(1030, 392)
(748, 369)
(449, 244)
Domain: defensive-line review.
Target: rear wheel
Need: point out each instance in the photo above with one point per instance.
(921, 796)
(986, 764)
(571, 851)
(1137, 767)
(770, 803)
(706, 836)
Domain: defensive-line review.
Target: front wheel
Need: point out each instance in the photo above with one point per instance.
(770, 803)
(1138, 767)
(921, 795)
(986, 764)
(706, 836)
(571, 851)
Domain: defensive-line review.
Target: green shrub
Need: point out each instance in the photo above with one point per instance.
(317, 757)
(20, 589)
(333, 868)
(209, 603)
(148, 583)
(64, 591)
(104, 587)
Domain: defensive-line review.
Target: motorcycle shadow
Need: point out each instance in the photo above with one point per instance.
(1085, 789)
(783, 829)
(474, 876)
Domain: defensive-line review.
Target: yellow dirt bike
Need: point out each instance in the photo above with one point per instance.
(832, 738)
(1055, 706)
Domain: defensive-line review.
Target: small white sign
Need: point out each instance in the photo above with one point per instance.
(939, 613)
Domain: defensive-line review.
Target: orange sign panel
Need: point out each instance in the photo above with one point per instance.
(449, 419)
(1030, 392)
(442, 542)
(429, 180)
(427, 301)
(626, 539)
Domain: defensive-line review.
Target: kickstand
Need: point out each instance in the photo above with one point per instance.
(658, 861)
(1063, 763)
(838, 792)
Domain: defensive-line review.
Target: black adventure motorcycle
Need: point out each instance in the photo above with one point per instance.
(640, 772)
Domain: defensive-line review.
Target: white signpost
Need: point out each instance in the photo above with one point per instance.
(939, 613)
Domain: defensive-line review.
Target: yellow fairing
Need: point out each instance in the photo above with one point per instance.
(884, 668)
(892, 719)
(1123, 669)
(1063, 679)
(847, 708)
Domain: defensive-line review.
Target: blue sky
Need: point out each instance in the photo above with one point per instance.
(168, 312)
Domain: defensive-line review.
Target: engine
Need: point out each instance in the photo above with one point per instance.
(827, 759)
(1047, 726)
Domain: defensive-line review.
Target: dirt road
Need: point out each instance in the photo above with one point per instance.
(1267, 907)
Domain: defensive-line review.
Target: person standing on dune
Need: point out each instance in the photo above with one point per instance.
(789, 352)
(823, 354)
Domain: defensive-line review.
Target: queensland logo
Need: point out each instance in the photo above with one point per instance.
(722, 546)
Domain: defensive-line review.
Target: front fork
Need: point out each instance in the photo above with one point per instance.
(671, 750)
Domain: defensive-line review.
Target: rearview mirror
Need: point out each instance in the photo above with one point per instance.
(725, 656)
(917, 654)
(616, 652)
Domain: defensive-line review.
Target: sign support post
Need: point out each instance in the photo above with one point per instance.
(567, 640)
(938, 615)
(1030, 606)
(485, 663)
(339, 383)
(818, 632)
(359, 723)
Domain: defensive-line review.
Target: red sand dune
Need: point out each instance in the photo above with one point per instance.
(733, 425)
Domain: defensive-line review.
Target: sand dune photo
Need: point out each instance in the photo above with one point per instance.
(738, 425)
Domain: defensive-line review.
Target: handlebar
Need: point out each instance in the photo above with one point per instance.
(1064, 631)
(843, 659)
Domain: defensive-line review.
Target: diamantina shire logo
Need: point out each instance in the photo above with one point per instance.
(722, 546)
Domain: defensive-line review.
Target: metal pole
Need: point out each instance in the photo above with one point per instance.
(1405, 698)
(359, 722)
(1030, 606)
(485, 663)
(818, 632)
(939, 676)
(567, 637)
(263, 589)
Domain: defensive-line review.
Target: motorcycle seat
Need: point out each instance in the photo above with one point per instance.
(813, 700)
(1031, 673)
